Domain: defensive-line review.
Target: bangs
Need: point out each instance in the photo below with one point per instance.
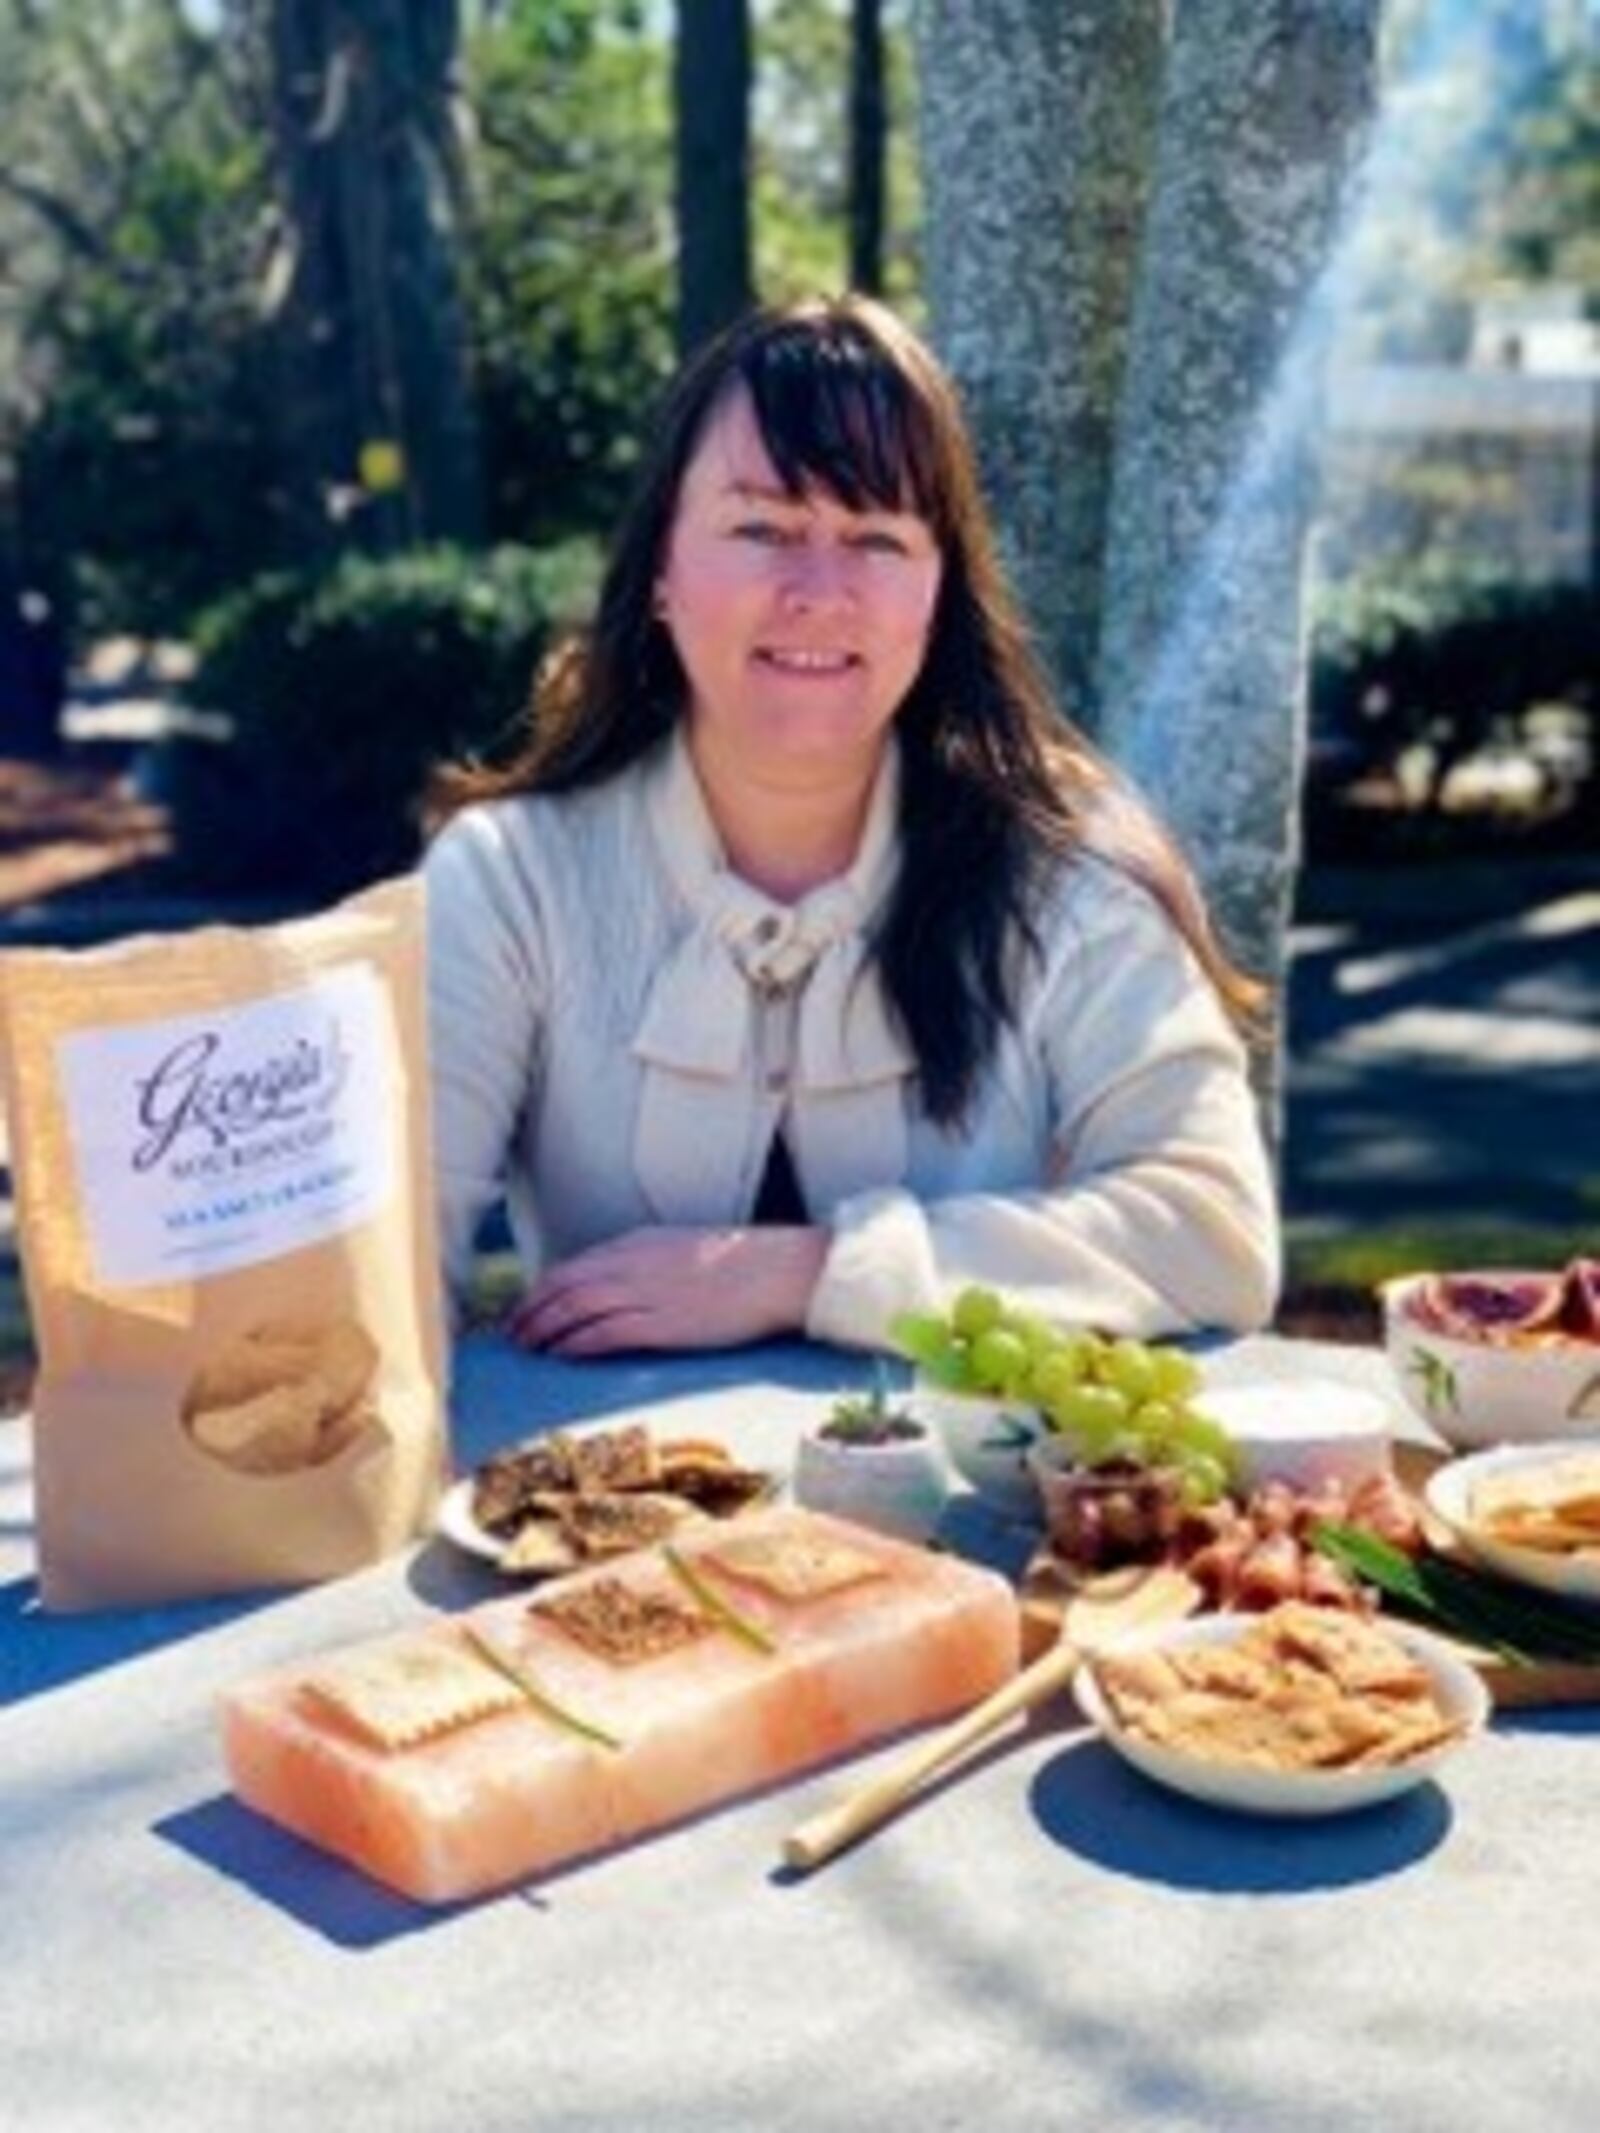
(835, 413)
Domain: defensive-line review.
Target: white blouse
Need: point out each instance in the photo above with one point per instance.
(620, 1024)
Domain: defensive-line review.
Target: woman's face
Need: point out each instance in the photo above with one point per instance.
(800, 624)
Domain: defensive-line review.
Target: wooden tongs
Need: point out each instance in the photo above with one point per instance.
(1100, 1611)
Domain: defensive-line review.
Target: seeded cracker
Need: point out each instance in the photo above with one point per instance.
(1358, 1659)
(340, 1349)
(273, 1433)
(619, 1623)
(1553, 1506)
(505, 1487)
(610, 1460)
(600, 1526)
(693, 1451)
(402, 1694)
(282, 1395)
(793, 1568)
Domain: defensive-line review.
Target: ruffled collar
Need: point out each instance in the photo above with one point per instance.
(704, 1095)
(699, 1014)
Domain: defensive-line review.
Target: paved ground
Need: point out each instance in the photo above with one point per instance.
(64, 829)
(1445, 1061)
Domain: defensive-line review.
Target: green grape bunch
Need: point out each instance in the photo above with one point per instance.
(1112, 1399)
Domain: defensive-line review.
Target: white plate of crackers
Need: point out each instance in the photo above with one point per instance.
(1298, 1712)
(1530, 1512)
(572, 1497)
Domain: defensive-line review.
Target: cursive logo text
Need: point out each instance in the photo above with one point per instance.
(192, 1094)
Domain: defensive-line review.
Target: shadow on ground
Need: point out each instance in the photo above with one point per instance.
(1446, 1072)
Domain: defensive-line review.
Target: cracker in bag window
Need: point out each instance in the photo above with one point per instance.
(225, 1211)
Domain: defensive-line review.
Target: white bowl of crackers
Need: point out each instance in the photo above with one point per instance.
(1302, 1711)
(1530, 1512)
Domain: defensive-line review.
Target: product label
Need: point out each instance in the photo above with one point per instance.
(218, 1140)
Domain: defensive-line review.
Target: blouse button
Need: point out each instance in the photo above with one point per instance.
(768, 928)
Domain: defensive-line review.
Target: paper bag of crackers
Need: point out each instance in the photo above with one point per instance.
(220, 1149)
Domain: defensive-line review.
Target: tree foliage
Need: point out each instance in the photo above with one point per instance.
(802, 168)
(1490, 173)
(144, 250)
(569, 254)
(141, 246)
(133, 225)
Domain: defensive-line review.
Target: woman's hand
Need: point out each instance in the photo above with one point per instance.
(673, 1288)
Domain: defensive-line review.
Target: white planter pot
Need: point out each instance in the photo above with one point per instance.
(899, 1488)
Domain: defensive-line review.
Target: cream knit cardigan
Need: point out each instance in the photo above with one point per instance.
(620, 1023)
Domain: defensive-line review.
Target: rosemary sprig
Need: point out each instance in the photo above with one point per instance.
(544, 1704)
(722, 1611)
(1518, 1625)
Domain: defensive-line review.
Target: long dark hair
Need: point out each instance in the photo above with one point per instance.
(995, 783)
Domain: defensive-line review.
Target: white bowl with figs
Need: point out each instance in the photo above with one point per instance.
(1500, 1356)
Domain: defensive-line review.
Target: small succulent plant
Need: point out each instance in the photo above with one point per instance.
(869, 1418)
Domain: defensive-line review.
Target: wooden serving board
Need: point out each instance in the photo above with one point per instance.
(1047, 1586)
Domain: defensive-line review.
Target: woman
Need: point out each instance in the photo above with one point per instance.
(805, 966)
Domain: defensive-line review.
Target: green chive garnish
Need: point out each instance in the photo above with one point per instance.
(721, 1610)
(1517, 1624)
(545, 1705)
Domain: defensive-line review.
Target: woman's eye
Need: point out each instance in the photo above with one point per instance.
(767, 532)
(881, 542)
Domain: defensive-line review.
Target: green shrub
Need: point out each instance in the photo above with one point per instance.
(345, 691)
(1362, 618)
(1454, 660)
(1449, 644)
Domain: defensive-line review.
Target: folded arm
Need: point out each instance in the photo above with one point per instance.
(1159, 1214)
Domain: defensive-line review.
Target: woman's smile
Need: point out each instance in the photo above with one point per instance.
(807, 663)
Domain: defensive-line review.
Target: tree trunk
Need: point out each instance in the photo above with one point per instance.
(869, 141)
(1037, 119)
(1203, 658)
(371, 323)
(711, 83)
